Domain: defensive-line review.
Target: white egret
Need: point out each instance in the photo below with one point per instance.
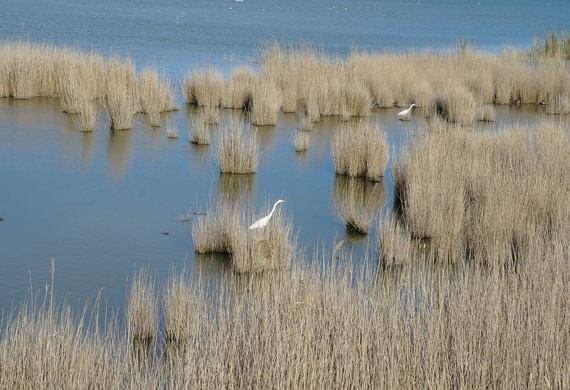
(404, 114)
(265, 220)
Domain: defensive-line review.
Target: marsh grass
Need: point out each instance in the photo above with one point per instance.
(239, 89)
(319, 326)
(237, 147)
(265, 102)
(142, 310)
(224, 230)
(204, 88)
(483, 197)
(122, 96)
(358, 202)
(86, 119)
(199, 130)
(301, 140)
(171, 130)
(360, 149)
(156, 95)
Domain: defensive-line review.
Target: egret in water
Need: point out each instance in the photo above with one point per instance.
(265, 220)
(405, 113)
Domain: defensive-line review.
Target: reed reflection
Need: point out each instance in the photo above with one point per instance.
(119, 150)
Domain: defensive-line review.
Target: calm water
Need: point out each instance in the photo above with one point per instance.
(99, 203)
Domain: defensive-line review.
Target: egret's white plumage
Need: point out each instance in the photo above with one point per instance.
(405, 113)
(265, 220)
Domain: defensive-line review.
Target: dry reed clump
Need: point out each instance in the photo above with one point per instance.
(239, 88)
(86, 119)
(224, 230)
(122, 96)
(199, 131)
(265, 102)
(218, 230)
(360, 149)
(356, 100)
(394, 242)
(485, 113)
(484, 197)
(301, 140)
(156, 95)
(358, 202)
(171, 130)
(204, 88)
(268, 248)
(181, 307)
(142, 310)
(455, 105)
(237, 147)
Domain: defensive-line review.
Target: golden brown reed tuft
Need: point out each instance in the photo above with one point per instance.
(239, 88)
(358, 202)
(224, 230)
(237, 147)
(204, 88)
(199, 130)
(156, 95)
(142, 309)
(265, 102)
(360, 149)
(301, 140)
(484, 197)
(122, 97)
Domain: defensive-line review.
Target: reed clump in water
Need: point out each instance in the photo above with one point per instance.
(199, 131)
(239, 88)
(301, 140)
(156, 95)
(224, 230)
(358, 202)
(122, 96)
(237, 147)
(360, 149)
(265, 102)
(482, 197)
(204, 88)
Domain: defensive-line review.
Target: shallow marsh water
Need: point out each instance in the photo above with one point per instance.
(100, 203)
(104, 203)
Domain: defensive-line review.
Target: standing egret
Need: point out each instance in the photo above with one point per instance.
(404, 114)
(265, 220)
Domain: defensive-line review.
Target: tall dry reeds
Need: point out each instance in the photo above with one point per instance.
(156, 95)
(360, 149)
(485, 197)
(239, 88)
(142, 309)
(204, 88)
(237, 147)
(358, 202)
(122, 96)
(318, 326)
(265, 102)
(224, 230)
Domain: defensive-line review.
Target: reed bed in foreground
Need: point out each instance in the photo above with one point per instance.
(360, 149)
(237, 147)
(322, 327)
